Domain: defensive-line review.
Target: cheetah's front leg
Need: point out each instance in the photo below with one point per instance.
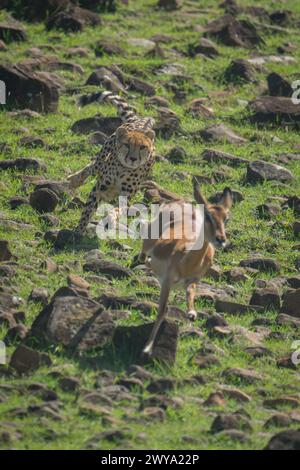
(90, 208)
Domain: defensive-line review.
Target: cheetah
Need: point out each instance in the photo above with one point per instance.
(124, 162)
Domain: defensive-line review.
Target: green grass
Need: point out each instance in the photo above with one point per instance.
(67, 152)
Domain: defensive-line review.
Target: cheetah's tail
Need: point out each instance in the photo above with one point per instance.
(125, 111)
(77, 179)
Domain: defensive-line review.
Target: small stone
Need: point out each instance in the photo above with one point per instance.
(236, 275)
(278, 420)
(5, 253)
(177, 155)
(154, 414)
(283, 319)
(240, 70)
(161, 385)
(39, 294)
(268, 211)
(266, 265)
(282, 401)
(215, 399)
(278, 86)
(17, 201)
(244, 375)
(43, 200)
(204, 46)
(26, 360)
(69, 384)
(236, 394)
(76, 281)
(230, 421)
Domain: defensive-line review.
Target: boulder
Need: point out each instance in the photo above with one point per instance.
(266, 298)
(274, 109)
(285, 440)
(38, 10)
(262, 264)
(132, 339)
(217, 156)
(221, 133)
(235, 308)
(29, 90)
(23, 164)
(76, 323)
(278, 86)
(72, 20)
(233, 32)
(259, 171)
(108, 268)
(291, 303)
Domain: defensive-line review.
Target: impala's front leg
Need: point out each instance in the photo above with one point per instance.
(190, 298)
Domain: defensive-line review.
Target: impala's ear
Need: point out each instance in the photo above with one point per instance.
(227, 199)
(150, 134)
(199, 198)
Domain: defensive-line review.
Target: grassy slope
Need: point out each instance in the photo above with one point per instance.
(248, 233)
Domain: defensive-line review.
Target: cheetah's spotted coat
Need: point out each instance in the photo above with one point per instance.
(124, 161)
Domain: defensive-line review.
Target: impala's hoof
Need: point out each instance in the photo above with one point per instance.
(147, 351)
(192, 315)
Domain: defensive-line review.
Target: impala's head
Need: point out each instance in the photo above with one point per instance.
(134, 147)
(215, 216)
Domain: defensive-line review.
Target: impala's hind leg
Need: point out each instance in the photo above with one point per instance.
(162, 310)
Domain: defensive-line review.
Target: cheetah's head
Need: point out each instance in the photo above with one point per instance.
(134, 147)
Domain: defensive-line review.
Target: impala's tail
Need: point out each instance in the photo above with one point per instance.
(126, 112)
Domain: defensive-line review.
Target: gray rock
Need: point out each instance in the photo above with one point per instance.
(285, 440)
(25, 360)
(274, 109)
(266, 298)
(259, 171)
(221, 133)
(291, 303)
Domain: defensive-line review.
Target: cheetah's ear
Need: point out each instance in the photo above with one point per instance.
(121, 132)
(150, 134)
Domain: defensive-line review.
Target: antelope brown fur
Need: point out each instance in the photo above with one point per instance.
(175, 264)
